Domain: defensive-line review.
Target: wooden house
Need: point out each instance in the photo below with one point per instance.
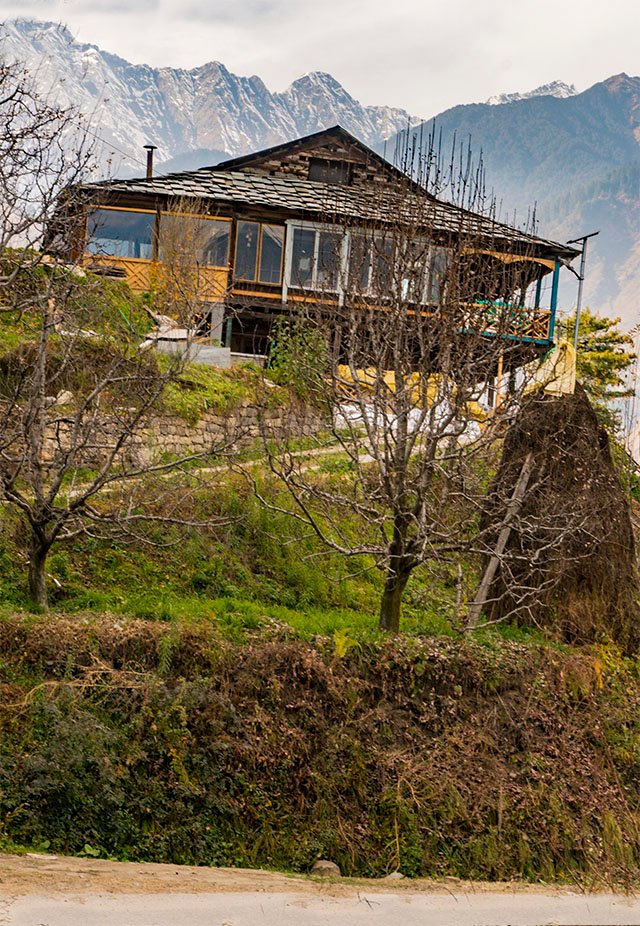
(285, 225)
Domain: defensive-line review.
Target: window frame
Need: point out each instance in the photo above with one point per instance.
(432, 283)
(428, 283)
(98, 208)
(156, 232)
(256, 278)
(342, 286)
(193, 215)
(370, 291)
(338, 172)
(318, 228)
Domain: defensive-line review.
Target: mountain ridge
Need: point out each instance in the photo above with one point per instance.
(181, 110)
(565, 156)
(557, 88)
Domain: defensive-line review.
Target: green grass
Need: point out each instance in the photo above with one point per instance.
(203, 388)
(260, 567)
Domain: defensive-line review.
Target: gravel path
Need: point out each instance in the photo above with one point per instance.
(47, 891)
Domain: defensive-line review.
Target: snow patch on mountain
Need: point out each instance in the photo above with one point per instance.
(180, 111)
(556, 88)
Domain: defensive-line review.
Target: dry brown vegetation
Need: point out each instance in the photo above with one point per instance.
(570, 563)
(162, 742)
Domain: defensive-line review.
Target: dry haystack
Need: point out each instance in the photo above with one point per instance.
(569, 563)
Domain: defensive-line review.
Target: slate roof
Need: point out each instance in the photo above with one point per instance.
(373, 203)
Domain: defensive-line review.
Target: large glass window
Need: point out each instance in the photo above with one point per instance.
(370, 264)
(271, 245)
(259, 252)
(189, 237)
(120, 233)
(315, 259)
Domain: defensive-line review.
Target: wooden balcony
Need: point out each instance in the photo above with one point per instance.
(516, 322)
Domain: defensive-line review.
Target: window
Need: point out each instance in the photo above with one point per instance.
(335, 172)
(359, 264)
(439, 268)
(315, 259)
(259, 252)
(370, 264)
(328, 264)
(271, 241)
(414, 269)
(216, 249)
(205, 241)
(303, 256)
(423, 271)
(120, 233)
(246, 250)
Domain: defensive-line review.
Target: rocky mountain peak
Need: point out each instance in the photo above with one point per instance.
(557, 88)
(205, 108)
(622, 83)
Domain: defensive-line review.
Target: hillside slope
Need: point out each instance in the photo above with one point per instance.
(157, 742)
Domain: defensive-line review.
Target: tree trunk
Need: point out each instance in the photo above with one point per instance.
(391, 603)
(37, 576)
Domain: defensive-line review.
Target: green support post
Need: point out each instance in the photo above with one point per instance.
(228, 325)
(554, 298)
(538, 293)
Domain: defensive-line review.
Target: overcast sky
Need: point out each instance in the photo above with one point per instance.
(422, 55)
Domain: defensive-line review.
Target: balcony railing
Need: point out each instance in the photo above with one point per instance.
(517, 322)
(147, 275)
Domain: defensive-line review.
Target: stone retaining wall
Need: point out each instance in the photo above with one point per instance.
(242, 426)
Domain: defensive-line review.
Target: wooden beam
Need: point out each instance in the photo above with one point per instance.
(514, 506)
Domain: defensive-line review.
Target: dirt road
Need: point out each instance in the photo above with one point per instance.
(41, 891)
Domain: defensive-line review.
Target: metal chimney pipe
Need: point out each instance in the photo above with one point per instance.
(150, 150)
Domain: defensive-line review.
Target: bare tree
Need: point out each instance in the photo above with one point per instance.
(415, 366)
(192, 243)
(44, 150)
(77, 392)
(78, 402)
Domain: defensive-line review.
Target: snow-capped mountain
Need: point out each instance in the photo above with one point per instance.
(179, 110)
(556, 88)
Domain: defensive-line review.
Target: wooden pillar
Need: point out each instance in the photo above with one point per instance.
(499, 377)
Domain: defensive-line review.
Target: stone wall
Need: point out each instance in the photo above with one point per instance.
(240, 427)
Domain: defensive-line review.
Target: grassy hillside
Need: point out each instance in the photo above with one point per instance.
(226, 699)
(248, 567)
(216, 692)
